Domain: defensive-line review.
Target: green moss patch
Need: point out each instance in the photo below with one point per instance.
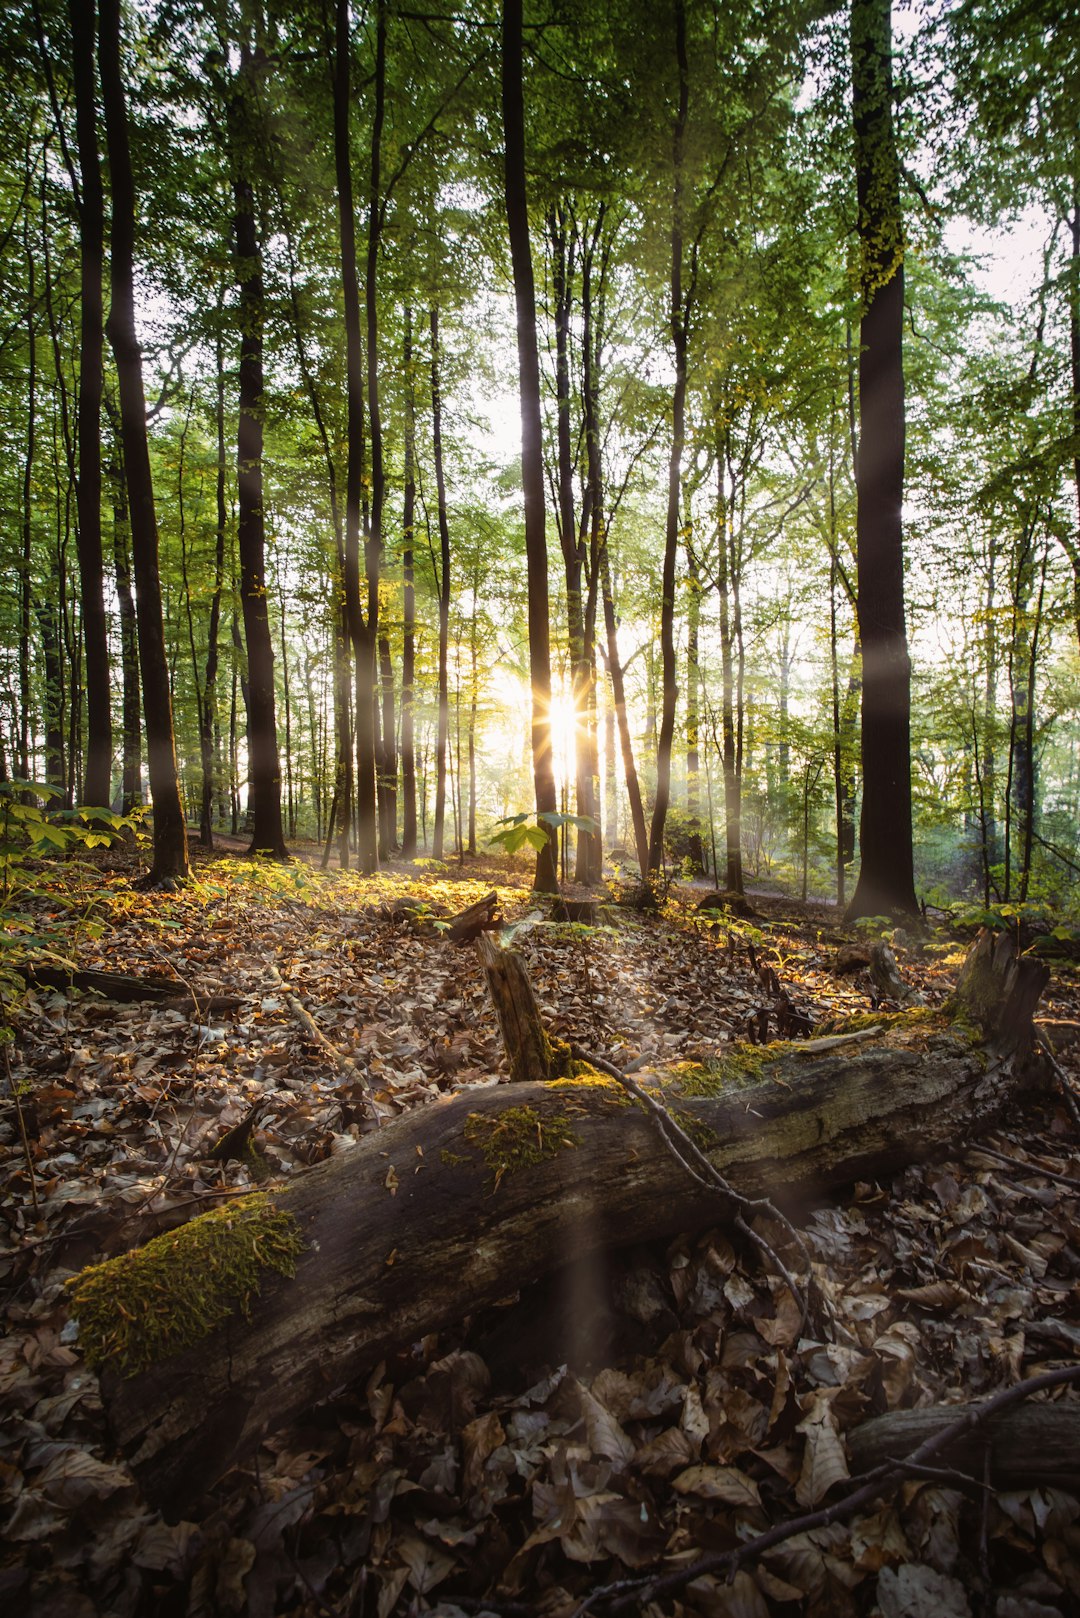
(738, 1069)
(518, 1138)
(167, 1296)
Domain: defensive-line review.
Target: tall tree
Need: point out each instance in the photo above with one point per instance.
(170, 862)
(97, 778)
(532, 450)
(681, 304)
(264, 763)
(886, 884)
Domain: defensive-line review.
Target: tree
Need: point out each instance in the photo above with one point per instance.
(886, 884)
(532, 452)
(264, 764)
(98, 771)
(170, 862)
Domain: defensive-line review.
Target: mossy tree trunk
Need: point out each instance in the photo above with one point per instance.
(457, 1204)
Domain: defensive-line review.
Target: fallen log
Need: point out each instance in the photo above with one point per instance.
(478, 918)
(1029, 1447)
(455, 1205)
(124, 988)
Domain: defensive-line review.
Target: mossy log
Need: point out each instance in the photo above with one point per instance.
(1030, 1447)
(457, 1204)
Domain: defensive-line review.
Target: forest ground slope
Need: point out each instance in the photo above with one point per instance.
(605, 1424)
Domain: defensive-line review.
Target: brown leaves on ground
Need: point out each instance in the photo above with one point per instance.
(618, 1421)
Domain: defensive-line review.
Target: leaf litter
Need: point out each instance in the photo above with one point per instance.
(545, 1447)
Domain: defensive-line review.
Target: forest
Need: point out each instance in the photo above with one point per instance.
(330, 593)
(540, 808)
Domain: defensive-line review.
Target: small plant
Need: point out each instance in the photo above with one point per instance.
(519, 833)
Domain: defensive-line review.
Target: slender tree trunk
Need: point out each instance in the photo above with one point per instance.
(532, 453)
(170, 861)
(408, 653)
(630, 775)
(208, 712)
(26, 559)
(388, 775)
(362, 631)
(592, 313)
(48, 630)
(679, 330)
(886, 884)
(693, 689)
(264, 763)
(97, 781)
(442, 739)
(730, 749)
(131, 782)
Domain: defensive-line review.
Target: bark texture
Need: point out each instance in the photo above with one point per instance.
(886, 884)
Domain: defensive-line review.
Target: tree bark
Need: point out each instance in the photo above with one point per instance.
(680, 321)
(361, 635)
(170, 861)
(408, 651)
(264, 763)
(370, 783)
(453, 1206)
(443, 732)
(1029, 1447)
(886, 884)
(97, 779)
(532, 451)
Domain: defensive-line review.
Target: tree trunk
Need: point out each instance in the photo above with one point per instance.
(367, 802)
(680, 320)
(443, 735)
(97, 779)
(408, 652)
(618, 690)
(886, 884)
(513, 1182)
(170, 861)
(131, 780)
(208, 710)
(532, 451)
(264, 763)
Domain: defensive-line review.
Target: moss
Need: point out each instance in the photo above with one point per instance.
(699, 1132)
(882, 1019)
(452, 1160)
(738, 1069)
(518, 1138)
(171, 1293)
(563, 1065)
(590, 1078)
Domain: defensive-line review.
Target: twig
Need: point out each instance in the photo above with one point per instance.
(1072, 1106)
(698, 1166)
(1032, 1169)
(636, 1593)
(311, 1027)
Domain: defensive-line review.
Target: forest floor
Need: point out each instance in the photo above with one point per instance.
(539, 1450)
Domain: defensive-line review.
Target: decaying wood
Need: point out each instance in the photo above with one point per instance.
(527, 1048)
(481, 917)
(1032, 1446)
(121, 987)
(459, 1203)
(886, 977)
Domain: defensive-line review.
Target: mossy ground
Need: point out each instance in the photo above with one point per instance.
(518, 1138)
(168, 1295)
